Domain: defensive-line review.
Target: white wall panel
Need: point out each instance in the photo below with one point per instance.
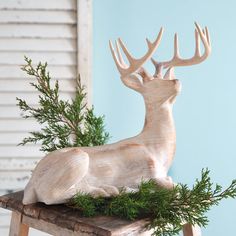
(9, 98)
(37, 31)
(37, 44)
(16, 85)
(44, 31)
(36, 17)
(40, 5)
(57, 72)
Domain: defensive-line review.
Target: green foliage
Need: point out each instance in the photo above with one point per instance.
(64, 123)
(166, 209)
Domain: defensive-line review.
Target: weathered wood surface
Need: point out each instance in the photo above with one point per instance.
(69, 219)
(16, 227)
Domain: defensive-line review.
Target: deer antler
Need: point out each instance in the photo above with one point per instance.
(134, 64)
(203, 34)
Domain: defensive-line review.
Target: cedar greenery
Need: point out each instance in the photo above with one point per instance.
(165, 209)
(65, 124)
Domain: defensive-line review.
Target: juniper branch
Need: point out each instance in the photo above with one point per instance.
(167, 210)
(64, 123)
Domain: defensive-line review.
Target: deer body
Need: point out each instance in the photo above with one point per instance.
(103, 170)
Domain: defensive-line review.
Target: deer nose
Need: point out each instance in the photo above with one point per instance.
(177, 84)
(176, 81)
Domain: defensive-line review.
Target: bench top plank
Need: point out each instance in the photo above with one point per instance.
(71, 219)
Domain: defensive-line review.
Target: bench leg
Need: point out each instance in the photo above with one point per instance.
(16, 227)
(189, 230)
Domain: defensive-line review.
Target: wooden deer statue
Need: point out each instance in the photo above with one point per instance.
(103, 170)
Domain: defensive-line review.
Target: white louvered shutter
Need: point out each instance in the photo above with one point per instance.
(44, 30)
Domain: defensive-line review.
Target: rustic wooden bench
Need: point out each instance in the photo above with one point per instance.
(61, 220)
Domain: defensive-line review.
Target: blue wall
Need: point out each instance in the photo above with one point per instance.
(205, 112)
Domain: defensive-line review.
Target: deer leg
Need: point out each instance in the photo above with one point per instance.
(165, 182)
(96, 192)
(111, 190)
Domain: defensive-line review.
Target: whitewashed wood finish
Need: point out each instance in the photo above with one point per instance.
(53, 58)
(24, 85)
(12, 138)
(20, 151)
(38, 16)
(44, 31)
(84, 45)
(103, 170)
(38, 31)
(14, 180)
(37, 45)
(39, 5)
(7, 164)
(58, 72)
(9, 98)
(19, 125)
(10, 112)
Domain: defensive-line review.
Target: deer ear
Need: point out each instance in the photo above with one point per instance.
(170, 75)
(133, 82)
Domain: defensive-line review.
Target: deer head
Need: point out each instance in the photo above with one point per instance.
(158, 87)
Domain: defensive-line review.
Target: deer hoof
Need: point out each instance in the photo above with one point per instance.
(111, 190)
(99, 192)
(166, 182)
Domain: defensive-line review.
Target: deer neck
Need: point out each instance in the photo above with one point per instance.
(159, 123)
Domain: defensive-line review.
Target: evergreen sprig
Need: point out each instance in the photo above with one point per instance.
(65, 123)
(167, 210)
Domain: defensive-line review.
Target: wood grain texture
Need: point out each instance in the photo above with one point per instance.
(9, 98)
(56, 72)
(27, 151)
(45, 31)
(16, 85)
(84, 45)
(62, 220)
(38, 16)
(12, 138)
(38, 31)
(17, 228)
(53, 58)
(104, 170)
(38, 45)
(14, 180)
(9, 164)
(39, 5)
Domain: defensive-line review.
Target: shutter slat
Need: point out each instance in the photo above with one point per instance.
(44, 31)
(31, 98)
(34, 17)
(17, 164)
(37, 31)
(12, 138)
(14, 180)
(42, 4)
(31, 45)
(14, 71)
(20, 152)
(12, 85)
(56, 58)
(7, 125)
